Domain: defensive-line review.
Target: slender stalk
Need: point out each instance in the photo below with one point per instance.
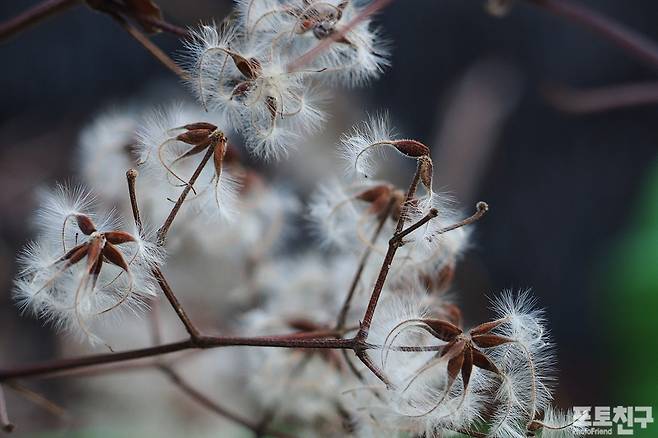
(215, 407)
(175, 304)
(34, 15)
(151, 47)
(342, 316)
(304, 340)
(165, 26)
(162, 232)
(131, 177)
(39, 400)
(627, 39)
(393, 246)
(194, 333)
(428, 217)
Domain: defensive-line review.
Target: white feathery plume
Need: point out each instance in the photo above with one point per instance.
(360, 147)
(166, 169)
(82, 269)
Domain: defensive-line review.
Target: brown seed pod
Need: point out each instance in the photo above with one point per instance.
(250, 68)
(426, 171)
(195, 136)
(118, 237)
(444, 330)
(487, 341)
(411, 148)
(85, 224)
(200, 125)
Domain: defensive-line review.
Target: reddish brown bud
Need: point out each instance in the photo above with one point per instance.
(76, 254)
(250, 68)
(426, 171)
(487, 341)
(411, 148)
(443, 330)
(118, 237)
(200, 125)
(467, 366)
(483, 362)
(114, 256)
(486, 327)
(85, 224)
(194, 136)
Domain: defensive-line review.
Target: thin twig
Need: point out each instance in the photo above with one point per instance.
(323, 340)
(131, 177)
(151, 47)
(213, 406)
(162, 232)
(175, 304)
(481, 209)
(627, 39)
(388, 258)
(165, 26)
(34, 15)
(393, 245)
(428, 217)
(39, 400)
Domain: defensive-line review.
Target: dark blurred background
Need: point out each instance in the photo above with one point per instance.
(574, 198)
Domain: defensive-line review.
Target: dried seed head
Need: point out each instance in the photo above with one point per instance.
(195, 136)
(200, 125)
(85, 224)
(411, 148)
(250, 68)
(426, 171)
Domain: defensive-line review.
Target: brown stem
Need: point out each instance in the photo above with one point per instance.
(165, 26)
(627, 39)
(428, 217)
(342, 316)
(175, 304)
(393, 246)
(151, 47)
(5, 424)
(481, 209)
(131, 176)
(33, 16)
(296, 340)
(39, 400)
(194, 333)
(213, 406)
(162, 232)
